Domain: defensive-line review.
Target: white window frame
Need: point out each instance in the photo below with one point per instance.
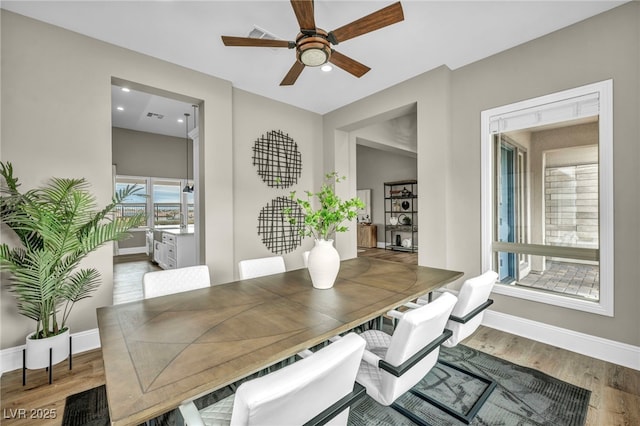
(512, 117)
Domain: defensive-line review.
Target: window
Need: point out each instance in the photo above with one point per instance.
(547, 203)
(133, 204)
(169, 202)
(164, 203)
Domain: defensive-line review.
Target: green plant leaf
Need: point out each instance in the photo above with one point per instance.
(327, 219)
(58, 225)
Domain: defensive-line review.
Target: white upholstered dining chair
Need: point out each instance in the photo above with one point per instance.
(393, 364)
(465, 318)
(171, 281)
(309, 391)
(473, 300)
(253, 268)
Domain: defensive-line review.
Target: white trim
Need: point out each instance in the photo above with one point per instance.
(604, 91)
(585, 344)
(11, 358)
(132, 250)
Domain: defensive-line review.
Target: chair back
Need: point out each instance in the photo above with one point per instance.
(253, 268)
(414, 331)
(170, 281)
(473, 293)
(297, 393)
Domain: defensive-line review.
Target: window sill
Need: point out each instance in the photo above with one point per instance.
(595, 307)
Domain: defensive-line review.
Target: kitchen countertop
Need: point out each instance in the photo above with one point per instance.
(176, 231)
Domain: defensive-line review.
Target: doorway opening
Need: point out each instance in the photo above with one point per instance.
(155, 146)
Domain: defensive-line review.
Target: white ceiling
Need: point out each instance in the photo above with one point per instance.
(149, 113)
(434, 33)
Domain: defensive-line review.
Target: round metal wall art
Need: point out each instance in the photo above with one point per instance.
(278, 234)
(277, 158)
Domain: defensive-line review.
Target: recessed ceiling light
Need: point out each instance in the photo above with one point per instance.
(326, 68)
(120, 108)
(126, 89)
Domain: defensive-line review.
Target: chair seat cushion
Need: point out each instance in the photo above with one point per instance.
(370, 376)
(219, 413)
(376, 341)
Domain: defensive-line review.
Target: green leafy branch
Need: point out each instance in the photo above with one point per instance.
(328, 219)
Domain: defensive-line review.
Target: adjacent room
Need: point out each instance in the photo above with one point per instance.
(310, 212)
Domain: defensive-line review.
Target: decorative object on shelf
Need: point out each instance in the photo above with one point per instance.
(278, 160)
(278, 233)
(393, 221)
(58, 226)
(395, 206)
(405, 192)
(365, 220)
(406, 243)
(398, 240)
(403, 219)
(321, 224)
(405, 205)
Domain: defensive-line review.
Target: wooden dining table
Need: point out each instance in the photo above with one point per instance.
(161, 352)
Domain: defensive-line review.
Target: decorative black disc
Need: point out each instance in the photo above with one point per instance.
(278, 160)
(278, 235)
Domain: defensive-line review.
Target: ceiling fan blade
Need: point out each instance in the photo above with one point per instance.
(293, 74)
(349, 65)
(256, 42)
(304, 13)
(383, 17)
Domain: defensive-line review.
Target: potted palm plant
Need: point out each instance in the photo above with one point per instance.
(57, 225)
(322, 223)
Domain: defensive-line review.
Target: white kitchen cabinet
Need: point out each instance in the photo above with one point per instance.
(177, 250)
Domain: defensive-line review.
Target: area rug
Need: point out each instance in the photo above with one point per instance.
(523, 396)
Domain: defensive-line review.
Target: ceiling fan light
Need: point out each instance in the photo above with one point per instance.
(314, 57)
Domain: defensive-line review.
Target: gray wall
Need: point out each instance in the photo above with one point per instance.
(603, 47)
(254, 116)
(64, 79)
(149, 154)
(449, 104)
(40, 63)
(375, 167)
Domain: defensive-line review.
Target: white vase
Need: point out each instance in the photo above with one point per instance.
(323, 264)
(37, 354)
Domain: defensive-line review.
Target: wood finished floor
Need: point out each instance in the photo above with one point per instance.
(615, 398)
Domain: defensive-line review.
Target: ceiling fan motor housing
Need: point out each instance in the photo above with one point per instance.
(313, 47)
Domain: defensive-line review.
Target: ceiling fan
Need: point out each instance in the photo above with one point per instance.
(313, 45)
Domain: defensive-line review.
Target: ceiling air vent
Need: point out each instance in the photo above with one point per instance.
(156, 115)
(258, 32)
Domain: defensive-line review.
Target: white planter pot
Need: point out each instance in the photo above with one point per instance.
(37, 354)
(323, 264)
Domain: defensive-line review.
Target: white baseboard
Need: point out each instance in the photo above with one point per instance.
(585, 344)
(132, 250)
(11, 358)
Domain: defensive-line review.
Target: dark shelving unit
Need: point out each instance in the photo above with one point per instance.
(401, 203)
